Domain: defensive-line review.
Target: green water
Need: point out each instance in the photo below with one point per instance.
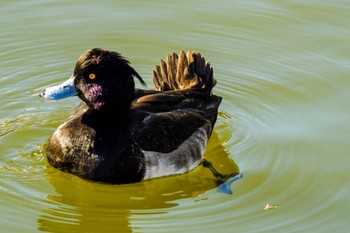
(283, 70)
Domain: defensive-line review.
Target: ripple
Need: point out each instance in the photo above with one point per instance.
(23, 157)
(282, 69)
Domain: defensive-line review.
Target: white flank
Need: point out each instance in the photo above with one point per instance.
(185, 158)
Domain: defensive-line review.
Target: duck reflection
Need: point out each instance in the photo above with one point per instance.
(83, 206)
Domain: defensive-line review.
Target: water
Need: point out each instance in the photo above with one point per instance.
(283, 70)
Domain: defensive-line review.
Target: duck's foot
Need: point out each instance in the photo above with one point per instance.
(224, 180)
(225, 187)
(218, 175)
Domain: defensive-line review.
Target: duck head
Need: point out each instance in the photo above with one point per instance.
(102, 79)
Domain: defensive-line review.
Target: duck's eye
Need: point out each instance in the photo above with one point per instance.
(92, 76)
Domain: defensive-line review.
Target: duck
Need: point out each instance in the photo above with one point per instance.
(120, 134)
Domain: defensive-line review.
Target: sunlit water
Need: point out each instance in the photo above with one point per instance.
(283, 70)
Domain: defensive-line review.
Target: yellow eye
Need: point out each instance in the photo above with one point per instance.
(92, 76)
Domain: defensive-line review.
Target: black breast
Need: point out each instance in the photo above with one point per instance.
(84, 147)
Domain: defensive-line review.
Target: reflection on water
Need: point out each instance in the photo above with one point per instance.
(85, 206)
(283, 72)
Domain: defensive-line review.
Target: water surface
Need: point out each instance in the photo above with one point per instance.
(283, 71)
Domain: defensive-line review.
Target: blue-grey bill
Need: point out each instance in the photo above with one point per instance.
(60, 91)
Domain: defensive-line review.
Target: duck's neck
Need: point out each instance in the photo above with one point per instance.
(111, 118)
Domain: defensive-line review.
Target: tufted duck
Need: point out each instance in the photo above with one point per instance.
(119, 134)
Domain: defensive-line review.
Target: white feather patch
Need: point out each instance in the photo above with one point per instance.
(185, 158)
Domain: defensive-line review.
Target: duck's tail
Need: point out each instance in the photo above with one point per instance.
(184, 71)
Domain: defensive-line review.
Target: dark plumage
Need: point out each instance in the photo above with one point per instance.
(120, 134)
